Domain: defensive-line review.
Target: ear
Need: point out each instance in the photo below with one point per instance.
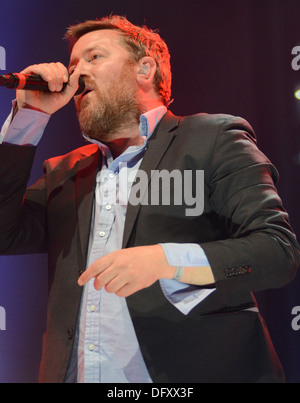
(146, 70)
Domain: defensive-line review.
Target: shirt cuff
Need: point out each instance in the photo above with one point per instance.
(184, 296)
(26, 128)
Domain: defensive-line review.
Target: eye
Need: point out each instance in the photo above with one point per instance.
(94, 56)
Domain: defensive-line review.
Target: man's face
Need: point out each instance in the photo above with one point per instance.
(110, 99)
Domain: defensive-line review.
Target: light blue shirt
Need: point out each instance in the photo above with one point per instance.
(106, 348)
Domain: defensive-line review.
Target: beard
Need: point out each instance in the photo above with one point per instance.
(115, 107)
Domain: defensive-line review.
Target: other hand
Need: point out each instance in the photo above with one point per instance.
(127, 271)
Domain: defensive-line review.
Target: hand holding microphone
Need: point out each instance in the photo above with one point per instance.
(57, 87)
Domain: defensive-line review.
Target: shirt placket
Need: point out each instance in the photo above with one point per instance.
(105, 201)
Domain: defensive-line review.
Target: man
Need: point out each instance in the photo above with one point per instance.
(167, 291)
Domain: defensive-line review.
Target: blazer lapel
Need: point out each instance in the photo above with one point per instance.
(88, 167)
(156, 147)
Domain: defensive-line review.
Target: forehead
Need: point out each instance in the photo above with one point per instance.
(108, 39)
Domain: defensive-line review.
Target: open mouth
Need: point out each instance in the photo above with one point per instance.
(85, 92)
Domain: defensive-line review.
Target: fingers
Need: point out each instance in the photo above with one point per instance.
(123, 290)
(106, 273)
(56, 74)
(94, 270)
(112, 280)
(73, 83)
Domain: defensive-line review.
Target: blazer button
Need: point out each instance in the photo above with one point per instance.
(70, 334)
(80, 272)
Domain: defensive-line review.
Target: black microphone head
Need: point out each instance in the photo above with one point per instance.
(81, 86)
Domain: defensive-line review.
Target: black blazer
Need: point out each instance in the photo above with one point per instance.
(244, 231)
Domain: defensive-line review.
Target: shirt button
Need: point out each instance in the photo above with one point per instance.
(91, 347)
(108, 207)
(92, 308)
(111, 175)
(101, 233)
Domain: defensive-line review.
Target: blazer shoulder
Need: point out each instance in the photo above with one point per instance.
(218, 123)
(215, 119)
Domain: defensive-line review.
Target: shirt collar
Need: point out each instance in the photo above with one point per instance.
(150, 119)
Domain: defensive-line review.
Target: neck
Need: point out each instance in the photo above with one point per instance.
(129, 135)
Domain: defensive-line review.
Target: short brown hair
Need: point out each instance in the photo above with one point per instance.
(140, 42)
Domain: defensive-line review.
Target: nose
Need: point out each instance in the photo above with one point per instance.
(81, 81)
(84, 68)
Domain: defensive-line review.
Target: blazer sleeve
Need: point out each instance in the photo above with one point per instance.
(260, 250)
(22, 211)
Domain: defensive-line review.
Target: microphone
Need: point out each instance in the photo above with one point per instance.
(32, 82)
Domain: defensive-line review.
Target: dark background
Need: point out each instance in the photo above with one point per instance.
(230, 56)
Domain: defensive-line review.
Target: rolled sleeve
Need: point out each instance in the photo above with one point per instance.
(26, 128)
(184, 296)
